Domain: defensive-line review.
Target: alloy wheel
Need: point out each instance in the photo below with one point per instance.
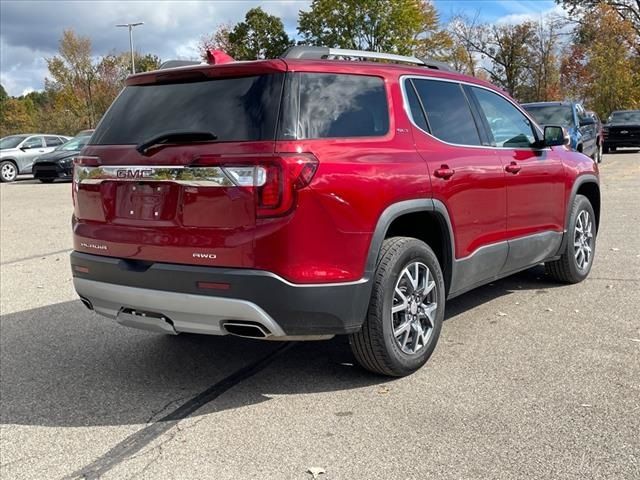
(8, 172)
(583, 240)
(414, 307)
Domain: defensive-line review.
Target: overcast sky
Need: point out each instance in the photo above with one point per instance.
(30, 30)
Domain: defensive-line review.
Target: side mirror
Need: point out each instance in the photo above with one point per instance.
(587, 121)
(555, 136)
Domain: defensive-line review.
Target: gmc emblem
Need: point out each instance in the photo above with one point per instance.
(134, 173)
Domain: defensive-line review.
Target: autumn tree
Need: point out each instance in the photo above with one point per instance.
(218, 40)
(15, 117)
(611, 69)
(146, 63)
(507, 49)
(544, 70)
(463, 32)
(627, 10)
(259, 36)
(404, 27)
(74, 76)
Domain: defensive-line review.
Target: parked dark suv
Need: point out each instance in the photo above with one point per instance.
(312, 196)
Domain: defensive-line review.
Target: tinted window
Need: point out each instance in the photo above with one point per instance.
(33, 142)
(551, 114)
(448, 112)
(53, 141)
(510, 128)
(341, 106)
(234, 109)
(630, 116)
(414, 105)
(12, 141)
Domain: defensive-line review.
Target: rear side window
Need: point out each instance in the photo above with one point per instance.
(448, 112)
(52, 141)
(319, 105)
(233, 109)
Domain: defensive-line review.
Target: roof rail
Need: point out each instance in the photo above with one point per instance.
(177, 63)
(318, 53)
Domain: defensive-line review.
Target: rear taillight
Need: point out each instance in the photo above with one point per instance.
(87, 161)
(285, 175)
(83, 161)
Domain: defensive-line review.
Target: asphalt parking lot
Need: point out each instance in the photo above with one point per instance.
(530, 379)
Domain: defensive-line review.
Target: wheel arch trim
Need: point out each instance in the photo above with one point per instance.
(397, 210)
(581, 180)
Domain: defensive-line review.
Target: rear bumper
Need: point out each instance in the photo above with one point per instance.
(622, 142)
(171, 298)
(47, 170)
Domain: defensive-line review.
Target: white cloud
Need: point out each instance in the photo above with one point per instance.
(172, 29)
(531, 16)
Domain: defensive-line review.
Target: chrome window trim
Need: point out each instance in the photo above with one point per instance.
(183, 175)
(407, 109)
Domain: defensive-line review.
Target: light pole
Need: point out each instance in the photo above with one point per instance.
(130, 26)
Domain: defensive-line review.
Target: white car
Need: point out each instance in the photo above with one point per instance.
(17, 152)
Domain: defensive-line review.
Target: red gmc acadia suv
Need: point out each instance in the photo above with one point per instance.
(313, 195)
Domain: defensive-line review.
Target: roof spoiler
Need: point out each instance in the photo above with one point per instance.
(319, 53)
(214, 57)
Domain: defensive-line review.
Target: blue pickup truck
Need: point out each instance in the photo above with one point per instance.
(582, 128)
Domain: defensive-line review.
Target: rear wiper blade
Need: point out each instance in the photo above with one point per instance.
(176, 136)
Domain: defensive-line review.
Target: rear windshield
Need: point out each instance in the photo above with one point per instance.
(630, 116)
(233, 109)
(552, 114)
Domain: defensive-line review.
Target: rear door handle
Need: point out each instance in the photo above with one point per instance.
(513, 167)
(444, 172)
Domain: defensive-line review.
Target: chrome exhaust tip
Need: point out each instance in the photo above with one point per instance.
(86, 303)
(246, 329)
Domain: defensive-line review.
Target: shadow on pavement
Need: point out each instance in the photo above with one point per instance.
(62, 365)
(29, 180)
(622, 151)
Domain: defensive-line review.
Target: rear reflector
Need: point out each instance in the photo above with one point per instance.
(213, 286)
(81, 269)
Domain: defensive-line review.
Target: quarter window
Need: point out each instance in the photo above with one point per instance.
(335, 106)
(448, 112)
(509, 127)
(417, 113)
(52, 141)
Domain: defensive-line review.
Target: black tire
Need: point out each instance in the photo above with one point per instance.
(613, 149)
(8, 171)
(605, 149)
(566, 268)
(375, 346)
(46, 180)
(598, 154)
